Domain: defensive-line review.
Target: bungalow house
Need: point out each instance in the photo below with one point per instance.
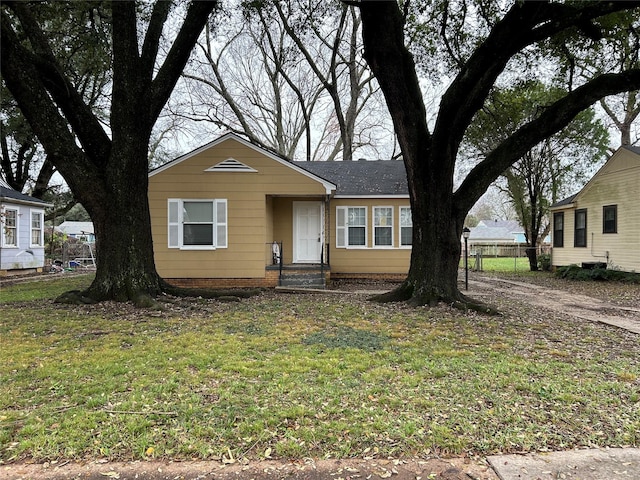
(601, 223)
(233, 214)
(22, 231)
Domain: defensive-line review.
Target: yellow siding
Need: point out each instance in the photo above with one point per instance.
(375, 260)
(249, 210)
(617, 183)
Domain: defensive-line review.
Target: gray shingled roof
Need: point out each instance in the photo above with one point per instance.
(565, 201)
(633, 148)
(8, 194)
(380, 177)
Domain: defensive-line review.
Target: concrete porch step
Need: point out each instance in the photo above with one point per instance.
(308, 280)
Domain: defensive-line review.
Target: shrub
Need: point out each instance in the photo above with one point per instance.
(544, 262)
(575, 272)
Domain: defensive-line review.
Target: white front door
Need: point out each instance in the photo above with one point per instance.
(307, 232)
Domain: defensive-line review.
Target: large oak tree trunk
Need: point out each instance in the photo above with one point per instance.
(430, 156)
(125, 263)
(437, 225)
(107, 172)
(433, 275)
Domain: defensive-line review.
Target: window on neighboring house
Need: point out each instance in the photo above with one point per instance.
(558, 229)
(10, 228)
(406, 226)
(580, 230)
(197, 224)
(383, 226)
(351, 227)
(610, 219)
(37, 232)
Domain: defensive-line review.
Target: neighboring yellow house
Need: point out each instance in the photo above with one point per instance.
(601, 223)
(217, 211)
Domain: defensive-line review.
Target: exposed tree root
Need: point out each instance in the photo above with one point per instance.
(75, 297)
(147, 299)
(407, 293)
(401, 294)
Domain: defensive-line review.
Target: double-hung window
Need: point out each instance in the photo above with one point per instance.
(37, 232)
(580, 230)
(610, 219)
(351, 227)
(558, 229)
(9, 227)
(406, 227)
(383, 226)
(197, 224)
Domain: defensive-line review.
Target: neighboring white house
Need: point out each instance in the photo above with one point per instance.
(22, 231)
(492, 232)
(81, 230)
(601, 223)
(502, 238)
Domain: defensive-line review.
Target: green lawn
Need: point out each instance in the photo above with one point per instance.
(499, 264)
(295, 376)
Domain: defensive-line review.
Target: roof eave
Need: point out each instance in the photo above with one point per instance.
(564, 206)
(25, 202)
(372, 195)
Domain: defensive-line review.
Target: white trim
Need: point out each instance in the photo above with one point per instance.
(328, 186)
(374, 226)
(40, 243)
(345, 228)
(175, 224)
(338, 196)
(400, 227)
(4, 227)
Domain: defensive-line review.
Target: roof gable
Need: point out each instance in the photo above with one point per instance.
(230, 165)
(233, 165)
(625, 158)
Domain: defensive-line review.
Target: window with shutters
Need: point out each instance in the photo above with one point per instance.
(197, 224)
(351, 227)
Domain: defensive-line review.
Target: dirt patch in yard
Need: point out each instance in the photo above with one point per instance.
(307, 469)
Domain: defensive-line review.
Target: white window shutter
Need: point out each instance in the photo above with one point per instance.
(341, 227)
(174, 224)
(221, 223)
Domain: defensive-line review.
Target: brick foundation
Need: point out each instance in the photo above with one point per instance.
(270, 280)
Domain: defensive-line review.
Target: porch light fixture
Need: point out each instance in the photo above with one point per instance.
(465, 234)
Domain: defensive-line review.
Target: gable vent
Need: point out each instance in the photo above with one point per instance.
(230, 165)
